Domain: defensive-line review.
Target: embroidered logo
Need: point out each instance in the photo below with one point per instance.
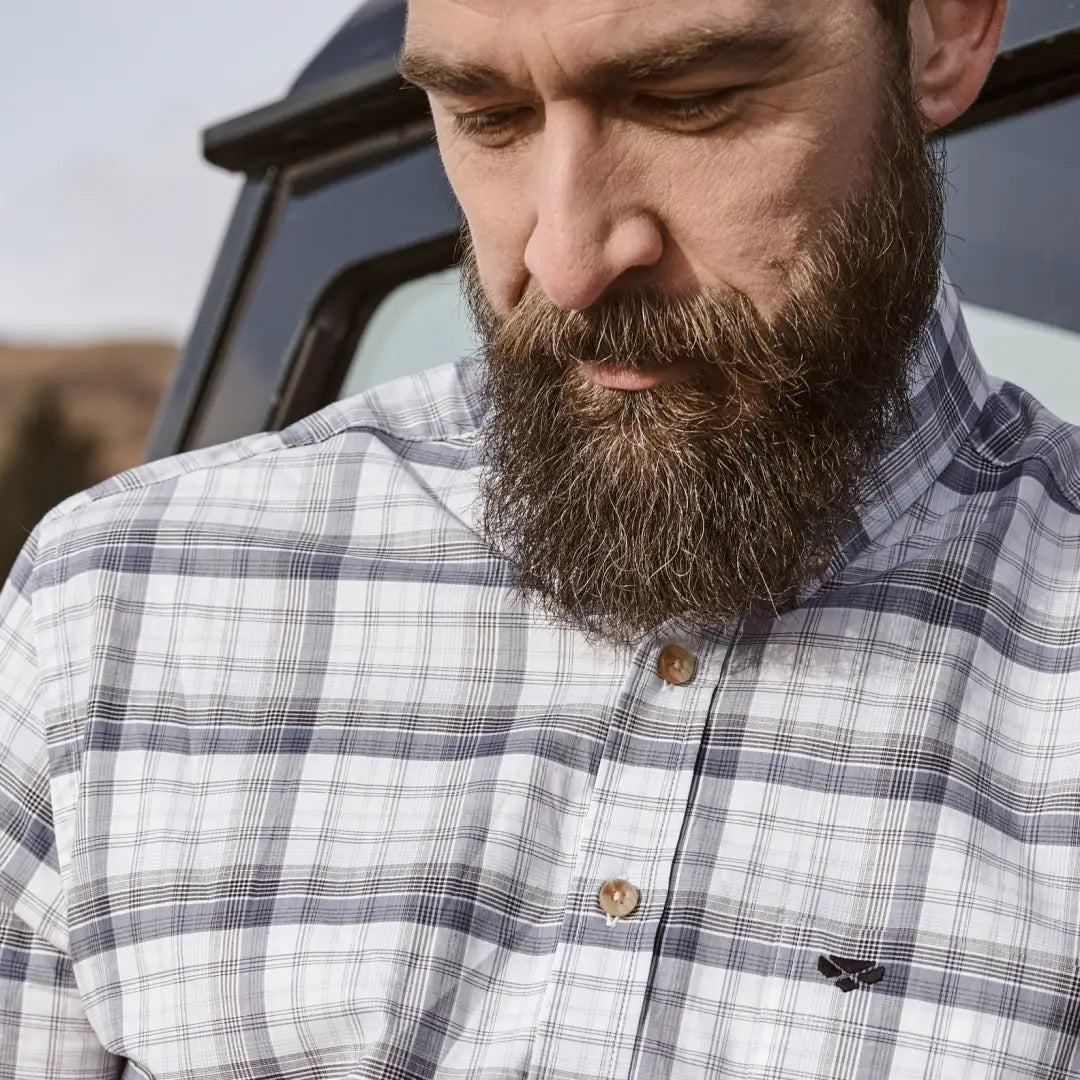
(849, 974)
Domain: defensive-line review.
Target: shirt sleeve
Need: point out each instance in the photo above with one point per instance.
(44, 1030)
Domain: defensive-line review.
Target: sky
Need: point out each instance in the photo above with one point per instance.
(109, 218)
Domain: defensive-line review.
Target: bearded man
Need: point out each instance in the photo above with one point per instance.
(686, 686)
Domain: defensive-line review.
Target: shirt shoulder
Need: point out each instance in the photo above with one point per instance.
(419, 427)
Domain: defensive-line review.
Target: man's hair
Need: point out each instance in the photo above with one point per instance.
(894, 12)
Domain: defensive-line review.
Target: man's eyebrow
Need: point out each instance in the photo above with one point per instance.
(664, 59)
(690, 50)
(441, 76)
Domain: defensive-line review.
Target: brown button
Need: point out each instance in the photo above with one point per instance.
(822, 562)
(618, 898)
(676, 665)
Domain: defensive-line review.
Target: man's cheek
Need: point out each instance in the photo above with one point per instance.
(499, 250)
(742, 239)
(501, 222)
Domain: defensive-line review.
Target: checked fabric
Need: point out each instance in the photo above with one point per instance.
(294, 783)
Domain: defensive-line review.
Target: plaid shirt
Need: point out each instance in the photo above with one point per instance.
(294, 784)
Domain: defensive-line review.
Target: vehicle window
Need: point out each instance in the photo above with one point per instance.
(1014, 248)
(356, 212)
(420, 325)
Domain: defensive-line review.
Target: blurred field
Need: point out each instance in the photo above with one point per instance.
(108, 390)
(69, 417)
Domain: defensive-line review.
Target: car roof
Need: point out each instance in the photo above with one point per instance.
(373, 32)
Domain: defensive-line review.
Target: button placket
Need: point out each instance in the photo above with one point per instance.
(630, 841)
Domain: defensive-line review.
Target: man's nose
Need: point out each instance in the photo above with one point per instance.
(591, 227)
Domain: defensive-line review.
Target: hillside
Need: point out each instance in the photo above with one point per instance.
(108, 390)
(70, 417)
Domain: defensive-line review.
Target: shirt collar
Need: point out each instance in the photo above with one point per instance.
(949, 389)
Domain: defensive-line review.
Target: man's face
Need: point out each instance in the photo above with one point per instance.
(703, 241)
(597, 145)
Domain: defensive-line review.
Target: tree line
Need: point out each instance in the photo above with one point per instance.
(48, 459)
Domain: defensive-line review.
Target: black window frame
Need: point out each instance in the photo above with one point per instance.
(328, 347)
(254, 382)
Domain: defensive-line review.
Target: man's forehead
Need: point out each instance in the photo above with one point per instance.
(473, 47)
(597, 27)
(587, 10)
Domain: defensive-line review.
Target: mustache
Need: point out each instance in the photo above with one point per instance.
(646, 328)
(718, 333)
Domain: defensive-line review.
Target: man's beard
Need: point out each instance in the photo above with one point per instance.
(713, 498)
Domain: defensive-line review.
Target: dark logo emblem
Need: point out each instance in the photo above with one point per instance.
(848, 974)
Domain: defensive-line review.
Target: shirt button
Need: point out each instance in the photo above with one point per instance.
(676, 665)
(618, 898)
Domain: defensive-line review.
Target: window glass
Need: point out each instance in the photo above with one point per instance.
(420, 325)
(1014, 248)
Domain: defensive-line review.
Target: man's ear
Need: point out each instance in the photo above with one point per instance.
(953, 45)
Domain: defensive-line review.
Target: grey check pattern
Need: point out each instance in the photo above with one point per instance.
(293, 782)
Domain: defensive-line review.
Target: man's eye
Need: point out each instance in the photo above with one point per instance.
(490, 125)
(698, 112)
